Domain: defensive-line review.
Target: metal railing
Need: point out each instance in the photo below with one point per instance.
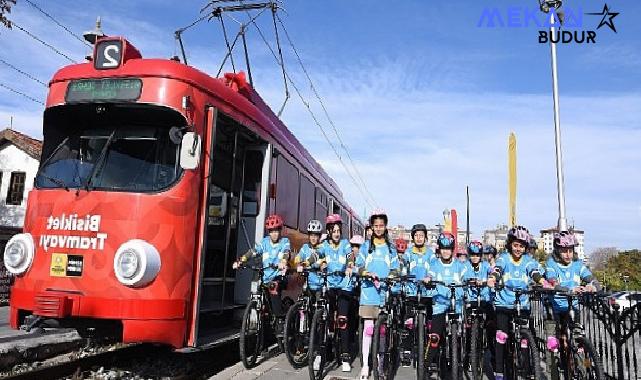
(614, 331)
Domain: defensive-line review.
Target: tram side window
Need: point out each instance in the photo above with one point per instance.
(346, 223)
(321, 205)
(306, 209)
(251, 190)
(287, 192)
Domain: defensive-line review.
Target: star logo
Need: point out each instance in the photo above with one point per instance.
(607, 18)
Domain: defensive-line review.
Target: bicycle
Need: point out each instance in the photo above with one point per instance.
(521, 350)
(453, 334)
(258, 316)
(477, 322)
(575, 358)
(298, 324)
(389, 323)
(417, 307)
(323, 339)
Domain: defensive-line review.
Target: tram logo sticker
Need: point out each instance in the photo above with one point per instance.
(63, 265)
(88, 224)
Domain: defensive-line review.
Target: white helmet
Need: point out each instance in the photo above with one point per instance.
(314, 227)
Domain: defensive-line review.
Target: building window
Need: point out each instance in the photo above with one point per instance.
(16, 188)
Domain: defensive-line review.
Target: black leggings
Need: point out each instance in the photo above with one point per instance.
(342, 300)
(275, 299)
(503, 318)
(438, 327)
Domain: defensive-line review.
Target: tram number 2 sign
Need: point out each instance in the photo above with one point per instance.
(108, 55)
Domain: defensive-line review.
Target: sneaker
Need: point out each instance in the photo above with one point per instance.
(346, 367)
(498, 376)
(364, 373)
(317, 363)
(406, 359)
(280, 328)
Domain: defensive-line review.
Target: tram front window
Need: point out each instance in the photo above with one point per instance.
(109, 147)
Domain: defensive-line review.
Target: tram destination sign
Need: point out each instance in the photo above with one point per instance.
(103, 90)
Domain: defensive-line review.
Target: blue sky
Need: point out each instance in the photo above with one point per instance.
(424, 98)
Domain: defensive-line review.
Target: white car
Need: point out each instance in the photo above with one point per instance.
(625, 299)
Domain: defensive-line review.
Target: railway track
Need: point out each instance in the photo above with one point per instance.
(135, 361)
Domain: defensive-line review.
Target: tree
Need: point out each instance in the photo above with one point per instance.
(621, 271)
(600, 256)
(5, 9)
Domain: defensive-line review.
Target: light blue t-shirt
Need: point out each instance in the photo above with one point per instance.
(336, 258)
(515, 275)
(418, 265)
(272, 254)
(481, 273)
(569, 276)
(314, 281)
(450, 273)
(379, 262)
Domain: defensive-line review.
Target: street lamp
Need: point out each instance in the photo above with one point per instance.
(546, 7)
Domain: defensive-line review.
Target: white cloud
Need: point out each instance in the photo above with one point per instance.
(416, 143)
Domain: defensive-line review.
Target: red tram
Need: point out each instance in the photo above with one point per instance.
(154, 177)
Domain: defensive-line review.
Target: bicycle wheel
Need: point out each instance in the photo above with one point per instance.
(454, 346)
(420, 338)
(384, 352)
(317, 353)
(587, 362)
(251, 335)
(477, 350)
(296, 335)
(528, 365)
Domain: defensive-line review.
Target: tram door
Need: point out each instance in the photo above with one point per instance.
(233, 205)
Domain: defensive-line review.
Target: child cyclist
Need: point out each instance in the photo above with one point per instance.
(308, 256)
(448, 270)
(336, 253)
(417, 259)
(564, 269)
(479, 271)
(489, 254)
(514, 269)
(274, 250)
(376, 260)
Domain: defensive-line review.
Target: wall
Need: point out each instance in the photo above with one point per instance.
(14, 159)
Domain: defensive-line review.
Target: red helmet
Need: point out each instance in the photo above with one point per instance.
(333, 218)
(273, 222)
(401, 245)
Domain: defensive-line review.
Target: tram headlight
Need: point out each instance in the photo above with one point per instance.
(18, 253)
(136, 263)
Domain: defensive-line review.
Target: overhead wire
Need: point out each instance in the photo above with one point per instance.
(58, 23)
(21, 93)
(322, 104)
(53, 48)
(314, 118)
(23, 72)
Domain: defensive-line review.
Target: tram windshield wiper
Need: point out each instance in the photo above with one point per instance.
(100, 161)
(55, 180)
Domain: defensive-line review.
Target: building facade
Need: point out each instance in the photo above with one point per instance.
(19, 161)
(547, 237)
(496, 236)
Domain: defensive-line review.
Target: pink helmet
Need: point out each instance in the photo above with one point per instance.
(518, 233)
(377, 213)
(564, 239)
(333, 218)
(357, 240)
